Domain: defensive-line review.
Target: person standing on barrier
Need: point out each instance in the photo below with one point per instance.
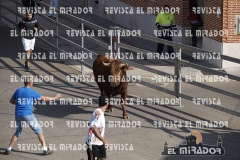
(30, 4)
(166, 24)
(95, 141)
(28, 26)
(194, 22)
(23, 98)
(54, 6)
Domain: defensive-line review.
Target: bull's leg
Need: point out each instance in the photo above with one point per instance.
(123, 97)
(109, 108)
(102, 92)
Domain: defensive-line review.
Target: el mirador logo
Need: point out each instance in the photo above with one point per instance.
(194, 146)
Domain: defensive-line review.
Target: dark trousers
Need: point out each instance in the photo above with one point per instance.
(29, 3)
(194, 28)
(96, 152)
(160, 45)
(33, 6)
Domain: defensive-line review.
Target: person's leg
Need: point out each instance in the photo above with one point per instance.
(89, 153)
(170, 48)
(160, 46)
(32, 7)
(13, 140)
(16, 134)
(55, 6)
(27, 49)
(102, 152)
(42, 140)
(31, 44)
(32, 4)
(51, 8)
(34, 125)
(95, 152)
(194, 28)
(46, 150)
(28, 54)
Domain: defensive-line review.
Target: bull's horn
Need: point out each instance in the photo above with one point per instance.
(105, 64)
(123, 65)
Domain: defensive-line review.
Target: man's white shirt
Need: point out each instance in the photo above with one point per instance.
(91, 139)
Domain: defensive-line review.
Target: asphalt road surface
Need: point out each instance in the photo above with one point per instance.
(142, 137)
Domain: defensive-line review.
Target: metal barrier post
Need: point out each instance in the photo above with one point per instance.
(110, 33)
(177, 84)
(115, 41)
(0, 11)
(57, 35)
(238, 24)
(82, 69)
(16, 15)
(87, 3)
(118, 41)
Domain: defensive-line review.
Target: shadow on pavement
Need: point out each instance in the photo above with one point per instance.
(18, 151)
(59, 110)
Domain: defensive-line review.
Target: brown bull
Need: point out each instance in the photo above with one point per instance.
(104, 67)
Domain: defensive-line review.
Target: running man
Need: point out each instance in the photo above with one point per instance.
(28, 26)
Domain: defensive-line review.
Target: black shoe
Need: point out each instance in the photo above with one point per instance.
(7, 152)
(47, 152)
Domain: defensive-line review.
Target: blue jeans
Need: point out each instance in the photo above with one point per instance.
(53, 4)
(22, 121)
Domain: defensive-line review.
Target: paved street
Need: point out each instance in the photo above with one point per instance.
(142, 137)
